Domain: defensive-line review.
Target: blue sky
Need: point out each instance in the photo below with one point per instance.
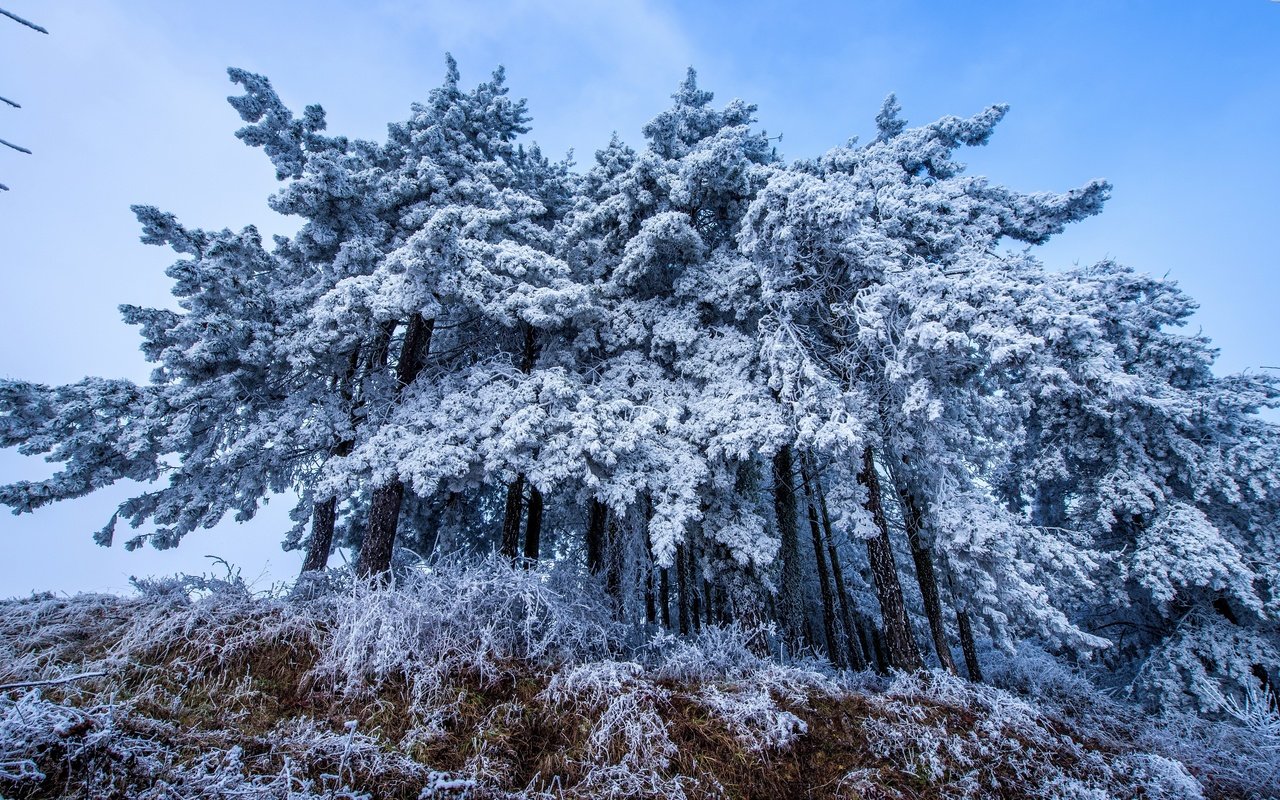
(1176, 103)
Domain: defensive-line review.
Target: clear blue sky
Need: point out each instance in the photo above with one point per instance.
(1177, 103)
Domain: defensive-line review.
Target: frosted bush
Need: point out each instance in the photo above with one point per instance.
(753, 717)
(40, 738)
(1206, 664)
(476, 619)
(629, 747)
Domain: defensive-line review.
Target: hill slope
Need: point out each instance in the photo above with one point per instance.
(483, 681)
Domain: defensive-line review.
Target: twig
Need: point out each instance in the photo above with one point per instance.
(8, 687)
(22, 21)
(10, 102)
(15, 147)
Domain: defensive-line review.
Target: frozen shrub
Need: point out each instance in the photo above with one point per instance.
(1206, 664)
(479, 619)
(629, 750)
(753, 716)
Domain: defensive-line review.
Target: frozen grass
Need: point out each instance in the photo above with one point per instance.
(476, 680)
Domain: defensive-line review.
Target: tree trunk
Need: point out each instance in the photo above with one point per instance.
(866, 646)
(384, 507)
(899, 642)
(790, 592)
(613, 566)
(695, 598)
(323, 516)
(650, 600)
(533, 527)
(851, 637)
(664, 596)
(967, 645)
(325, 513)
(596, 515)
(515, 491)
(682, 589)
(511, 518)
(926, 578)
(708, 601)
(824, 578)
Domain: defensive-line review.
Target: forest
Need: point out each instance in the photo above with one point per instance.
(688, 437)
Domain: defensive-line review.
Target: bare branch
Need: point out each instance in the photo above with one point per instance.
(15, 147)
(22, 21)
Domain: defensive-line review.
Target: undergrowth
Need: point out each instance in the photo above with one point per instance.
(479, 680)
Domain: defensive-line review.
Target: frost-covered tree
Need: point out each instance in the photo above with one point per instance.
(655, 233)
(1136, 444)
(878, 264)
(828, 395)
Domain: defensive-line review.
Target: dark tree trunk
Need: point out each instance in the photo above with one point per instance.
(899, 642)
(791, 590)
(695, 598)
(596, 516)
(853, 641)
(511, 518)
(533, 527)
(824, 578)
(379, 539)
(323, 517)
(965, 629)
(650, 597)
(650, 600)
(879, 650)
(708, 601)
(515, 491)
(967, 646)
(613, 566)
(384, 506)
(664, 596)
(866, 646)
(857, 660)
(682, 589)
(926, 577)
(325, 512)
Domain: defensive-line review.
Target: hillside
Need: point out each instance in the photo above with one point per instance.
(484, 681)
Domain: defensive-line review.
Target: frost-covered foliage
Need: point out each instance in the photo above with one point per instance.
(757, 414)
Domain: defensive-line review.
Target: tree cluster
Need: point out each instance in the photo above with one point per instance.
(838, 396)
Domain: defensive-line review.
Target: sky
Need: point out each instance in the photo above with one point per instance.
(1177, 103)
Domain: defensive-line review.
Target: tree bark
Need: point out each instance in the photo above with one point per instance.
(853, 642)
(515, 490)
(695, 598)
(963, 626)
(533, 527)
(900, 645)
(325, 513)
(682, 590)
(511, 518)
(967, 646)
(384, 506)
(926, 577)
(824, 578)
(708, 601)
(613, 566)
(664, 596)
(790, 591)
(323, 516)
(596, 515)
